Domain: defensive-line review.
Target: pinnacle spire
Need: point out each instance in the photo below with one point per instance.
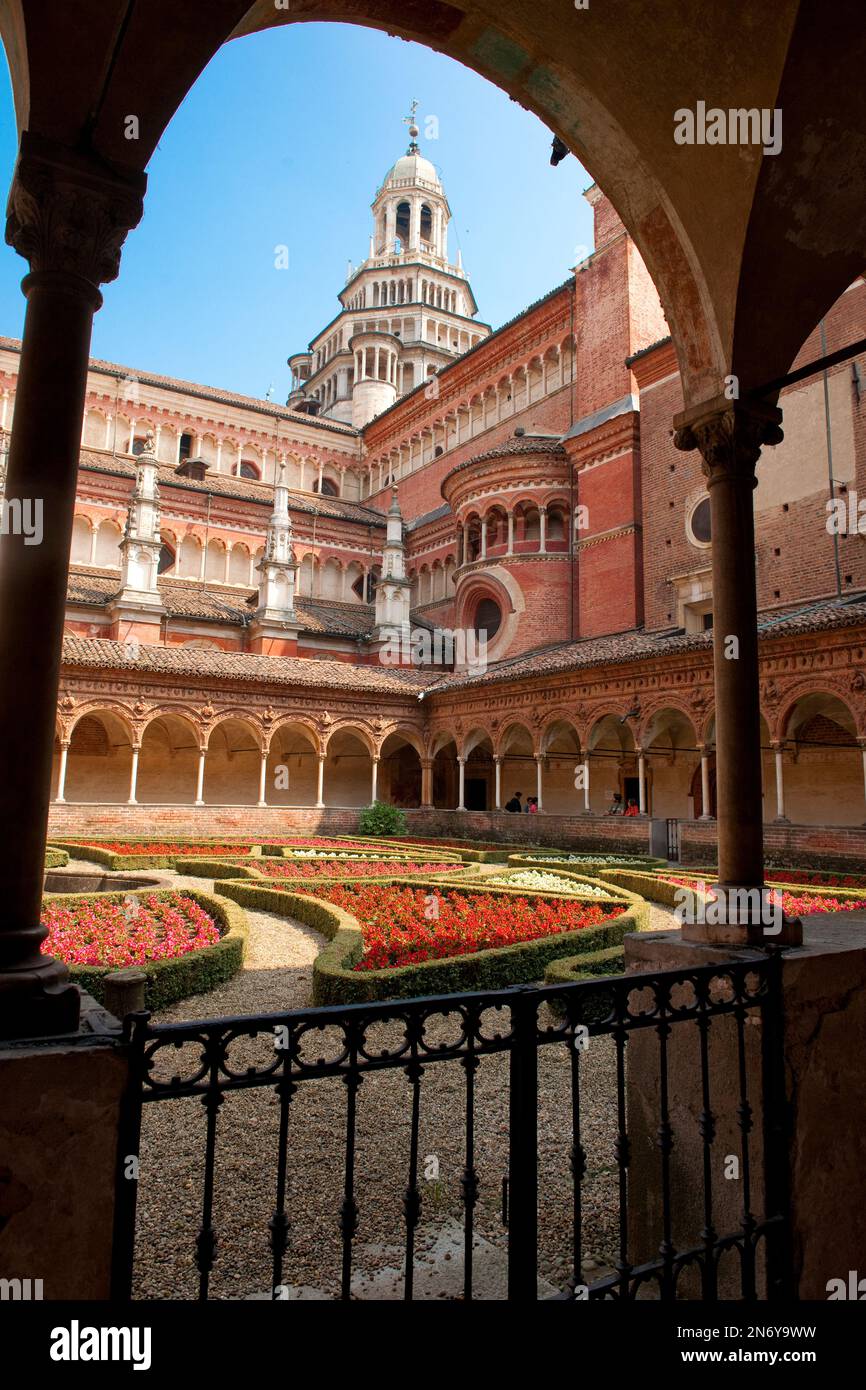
(414, 132)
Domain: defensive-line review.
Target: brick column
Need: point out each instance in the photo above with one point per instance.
(68, 216)
(730, 435)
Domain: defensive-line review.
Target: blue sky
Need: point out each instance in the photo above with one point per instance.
(283, 141)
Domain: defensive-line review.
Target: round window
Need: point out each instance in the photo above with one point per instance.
(488, 618)
(699, 523)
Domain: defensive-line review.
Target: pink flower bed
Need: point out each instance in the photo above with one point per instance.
(139, 929)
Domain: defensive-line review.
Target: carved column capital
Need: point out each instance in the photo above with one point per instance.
(68, 213)
(729, 434)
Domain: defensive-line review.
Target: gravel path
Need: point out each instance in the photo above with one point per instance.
(277, 975)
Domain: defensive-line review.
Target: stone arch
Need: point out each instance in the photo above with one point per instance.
(293, 763)
(400, 768)
(349, 750)
(331, 579)
(93, 433)
(108, 538)
(215, 560)
(168, 760)
(99, 760)
(189, 557)
(820, 748)
(610, 754)
(670, 741)
(239, 564)
(82, 540)
(233, 761)
(559, 741)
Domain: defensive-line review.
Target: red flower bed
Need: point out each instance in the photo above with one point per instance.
(166, 847)
(346, 868)
(813, 880)
(404, 926)
(792, 904)
(175, 847)
(140, 929)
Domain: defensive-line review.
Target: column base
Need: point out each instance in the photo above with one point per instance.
(38, 1002)
(740, 915)
(781, 820)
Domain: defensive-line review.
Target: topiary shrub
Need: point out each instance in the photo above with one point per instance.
(382, 819)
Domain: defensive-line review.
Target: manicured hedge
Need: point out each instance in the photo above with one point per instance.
(56, 858)
(216, 868)
(608, 961)
(648, 885)
(334, 981)
(170, 980)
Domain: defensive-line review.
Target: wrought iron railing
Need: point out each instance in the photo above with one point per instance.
(733, 1013)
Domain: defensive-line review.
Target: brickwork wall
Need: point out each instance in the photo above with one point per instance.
(795, 554)
(802, 846)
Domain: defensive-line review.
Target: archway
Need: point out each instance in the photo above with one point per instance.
(293, 767)
(445, 774)
(822, 763)
(99, 759)
(561, 746)
(519, 774)
(400, 772)
(232, 765)
(168, 762)
(670, 745)
(612, 763)
(479, 782)
(348, 769)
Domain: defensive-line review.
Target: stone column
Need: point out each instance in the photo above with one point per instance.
(497, 763)
(375, 780)
(426, 783)
(510, 532)
(199, 785)
(263, 777)
(730, 435)
(483, 555)
(539, 765)
(586, 806)
(778, 750)
(133, 775)
(61, 774)
(706, 814)
(320, 789)
(542, 530)
(641, 781)
(69, 217)
(461, 764)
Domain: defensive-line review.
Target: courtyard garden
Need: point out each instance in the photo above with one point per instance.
(238, 927)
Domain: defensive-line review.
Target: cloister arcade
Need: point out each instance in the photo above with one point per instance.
(227, 454)
(523, 385)
(813, 756)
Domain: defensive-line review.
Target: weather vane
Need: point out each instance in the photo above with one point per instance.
(412, 123)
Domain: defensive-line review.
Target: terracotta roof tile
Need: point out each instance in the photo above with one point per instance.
(641, 645)
(98, 653)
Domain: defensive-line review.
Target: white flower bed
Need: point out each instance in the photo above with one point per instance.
(343, 854)
(611, 861)
(541, 882)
